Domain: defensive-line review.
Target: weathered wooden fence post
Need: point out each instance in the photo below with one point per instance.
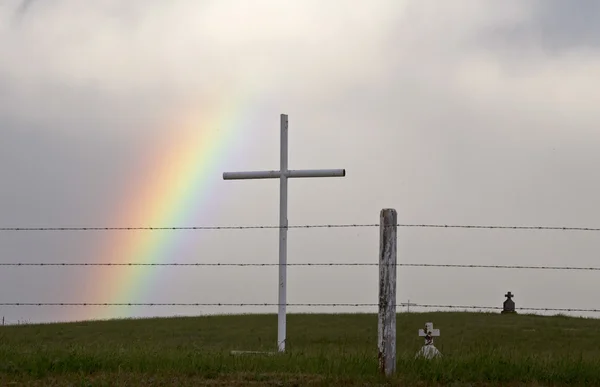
(387, 291)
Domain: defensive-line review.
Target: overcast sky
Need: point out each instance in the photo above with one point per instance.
(462, 112)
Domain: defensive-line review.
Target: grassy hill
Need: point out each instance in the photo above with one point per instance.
(485, 349)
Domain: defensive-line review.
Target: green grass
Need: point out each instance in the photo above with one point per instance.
(478, 349)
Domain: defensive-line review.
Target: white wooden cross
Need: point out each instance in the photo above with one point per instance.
(429, 350)
(283, 174)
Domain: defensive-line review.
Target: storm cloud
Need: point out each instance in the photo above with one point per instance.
(468, 112)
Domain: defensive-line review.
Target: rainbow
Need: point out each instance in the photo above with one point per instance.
(175, 190)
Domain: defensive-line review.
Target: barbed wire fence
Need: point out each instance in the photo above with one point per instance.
(309, 264)
(263, 227)
(387, 264)
(463, 307)
(225, 264)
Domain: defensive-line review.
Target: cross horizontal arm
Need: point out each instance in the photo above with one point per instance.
(290, 173)
(251, 175)
(317, 173)
(433, 332)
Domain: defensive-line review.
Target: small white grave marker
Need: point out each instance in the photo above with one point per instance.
(429, 351)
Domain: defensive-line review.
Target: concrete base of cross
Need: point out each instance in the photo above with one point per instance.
(238, 353)
(428, 352)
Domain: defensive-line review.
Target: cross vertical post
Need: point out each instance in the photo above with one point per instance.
(283, 174)
(283, 228)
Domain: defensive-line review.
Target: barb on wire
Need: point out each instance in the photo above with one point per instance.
(316, 264)
(427, 306)
(256, 227)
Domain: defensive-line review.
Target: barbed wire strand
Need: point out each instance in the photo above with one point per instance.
(414, 305)
(258, 227)
(333, 264)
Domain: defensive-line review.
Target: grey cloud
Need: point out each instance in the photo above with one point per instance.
(52, 178)
(564, 25)
(24, 7)
(554, 26)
